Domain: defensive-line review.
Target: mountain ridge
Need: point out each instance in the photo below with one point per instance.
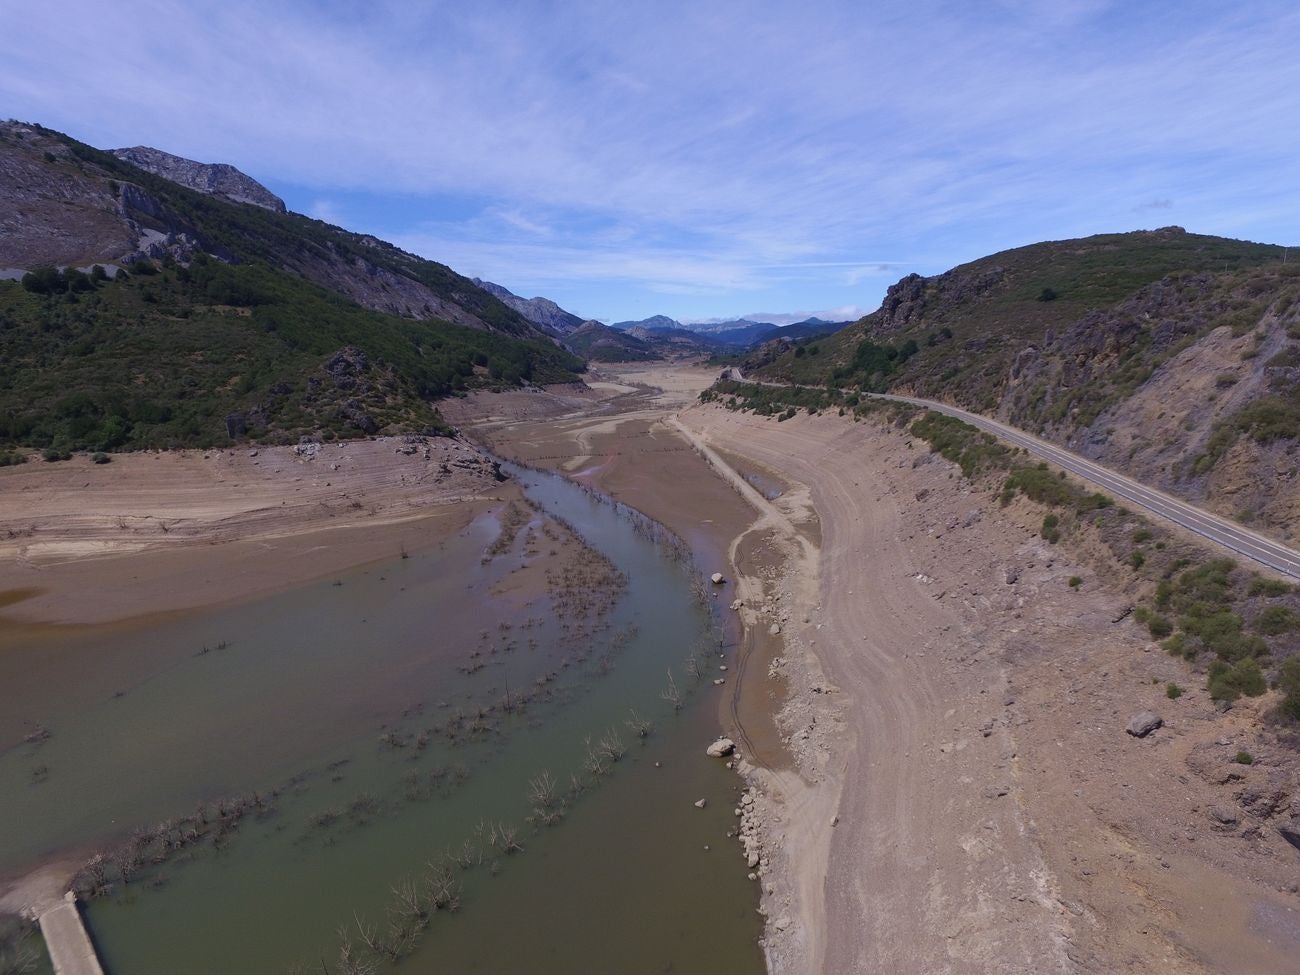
(216, 179)
(207, 322)
(1171, 356)
(542, 312)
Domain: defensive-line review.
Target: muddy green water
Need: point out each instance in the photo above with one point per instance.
(293, 696)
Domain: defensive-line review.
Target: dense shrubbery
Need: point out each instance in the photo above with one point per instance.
(1227, 682)
(871, 364)
(162, 359)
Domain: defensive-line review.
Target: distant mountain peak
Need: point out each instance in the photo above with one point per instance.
(653, 322)
(215, 179)
(539, 311)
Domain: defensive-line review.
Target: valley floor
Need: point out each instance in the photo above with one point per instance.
(933, 717)
(948, 786)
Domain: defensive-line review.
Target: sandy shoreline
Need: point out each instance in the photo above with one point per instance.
(161, 532)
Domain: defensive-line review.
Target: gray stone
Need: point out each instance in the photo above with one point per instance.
(720, 748)
(1143, 723)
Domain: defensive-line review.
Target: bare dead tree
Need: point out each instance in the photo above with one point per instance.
(638, 725)
(670, 693)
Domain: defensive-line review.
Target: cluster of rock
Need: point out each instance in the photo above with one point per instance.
(751, 834)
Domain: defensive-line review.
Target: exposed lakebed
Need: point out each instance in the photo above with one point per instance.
(387, 730)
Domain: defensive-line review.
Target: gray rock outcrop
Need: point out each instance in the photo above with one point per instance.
(215, 179)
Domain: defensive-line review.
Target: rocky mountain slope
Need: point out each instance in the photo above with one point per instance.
(207, 321)
(653, 322)
(1169, 355)
(600, 343)
(542, 312)
(216, 179)
(67, 203)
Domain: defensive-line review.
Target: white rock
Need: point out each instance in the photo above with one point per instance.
(720, 748)
(717, 578)
(701, 803)
(774, 629)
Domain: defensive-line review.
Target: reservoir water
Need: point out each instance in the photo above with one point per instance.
(457, 728)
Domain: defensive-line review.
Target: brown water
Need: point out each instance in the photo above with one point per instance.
(293, 694)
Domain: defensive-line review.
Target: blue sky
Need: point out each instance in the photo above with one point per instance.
(701, 160)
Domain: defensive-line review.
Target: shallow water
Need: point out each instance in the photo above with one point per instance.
(293, 694)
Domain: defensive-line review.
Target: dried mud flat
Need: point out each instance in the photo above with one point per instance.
(160, 531)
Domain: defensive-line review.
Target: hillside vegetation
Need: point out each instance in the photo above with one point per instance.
(1170, 355)
(226, 321)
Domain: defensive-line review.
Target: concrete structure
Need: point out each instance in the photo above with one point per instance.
(67, 939)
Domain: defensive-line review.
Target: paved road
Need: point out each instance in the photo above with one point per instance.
(1230, 535)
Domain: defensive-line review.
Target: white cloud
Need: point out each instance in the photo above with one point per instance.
(327, 210)
(717, 149)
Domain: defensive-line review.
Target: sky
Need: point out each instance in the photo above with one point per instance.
(705, 161)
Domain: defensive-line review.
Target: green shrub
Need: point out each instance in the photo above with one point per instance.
(1288, 682)
(1276, 620)
(12, 458)
(55, 454)
(1038, 484)
(1076, 582)
(99, 457)
(1173, 691)
(1259, 586)
(1227, 682)
(1220, 632)
(1159, 626)
(1244, 757)
(1137, 560)
(1049, 530)
(1140, 536)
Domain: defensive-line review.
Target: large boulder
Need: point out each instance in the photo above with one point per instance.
(1143, 723)
(721, 748)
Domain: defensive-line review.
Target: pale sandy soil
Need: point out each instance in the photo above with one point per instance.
(992, 813)
(154, 532)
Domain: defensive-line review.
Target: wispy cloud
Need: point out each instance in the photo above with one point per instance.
(327, 210)
(730, 152)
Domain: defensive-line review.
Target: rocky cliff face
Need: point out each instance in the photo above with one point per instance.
(539, 311)
(49, 214)
(215, 179)
(64, 203)
(1170, 386)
